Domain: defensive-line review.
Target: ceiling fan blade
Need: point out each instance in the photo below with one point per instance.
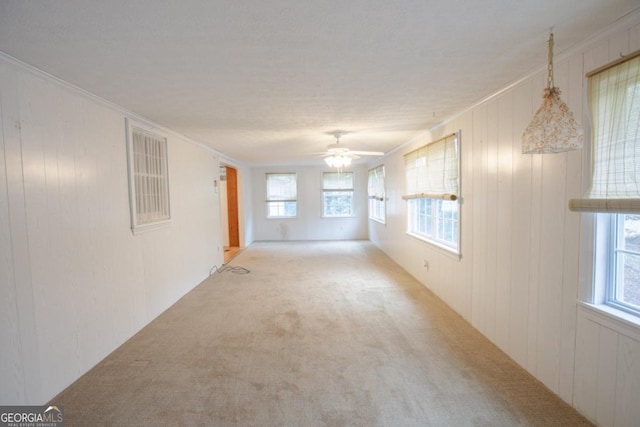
(337, 148)
(349, 154)
(367, 153)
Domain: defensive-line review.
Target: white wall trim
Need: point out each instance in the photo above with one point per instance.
(421, 134)
(621, 24)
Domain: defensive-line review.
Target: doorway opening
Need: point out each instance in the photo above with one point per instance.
(229, 211)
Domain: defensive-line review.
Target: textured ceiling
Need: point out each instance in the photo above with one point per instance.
(266, 82)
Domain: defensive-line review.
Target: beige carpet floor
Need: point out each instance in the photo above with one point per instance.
(317, 334)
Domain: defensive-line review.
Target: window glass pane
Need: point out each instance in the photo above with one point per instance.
(627, 287)
(281, 209)
(426, 217)
(275, 208)
(338, 203)
(448, 211)
(434, 219)
(290, 208)
(632, 232)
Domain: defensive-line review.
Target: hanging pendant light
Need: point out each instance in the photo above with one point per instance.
(553, 128)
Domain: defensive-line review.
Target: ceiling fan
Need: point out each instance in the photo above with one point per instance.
(339, 155)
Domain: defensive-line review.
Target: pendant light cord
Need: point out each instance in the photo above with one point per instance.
(550, 65)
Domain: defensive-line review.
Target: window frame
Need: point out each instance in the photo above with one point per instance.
(599, 272)
(268, 200)
(614, 265)
(599, 267)
(437, 224)
(375, 202)
(340, 190)
(441, 244)
(138, 226)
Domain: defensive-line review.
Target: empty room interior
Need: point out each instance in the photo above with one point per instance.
(321, 213)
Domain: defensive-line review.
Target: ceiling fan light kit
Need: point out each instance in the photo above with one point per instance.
(338, 161)
(339, 156)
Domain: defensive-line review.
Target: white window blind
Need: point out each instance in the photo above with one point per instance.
(376, 183)
(432, 170)
(337, 181)
(614, 102)
(282, 187)
(149, 178)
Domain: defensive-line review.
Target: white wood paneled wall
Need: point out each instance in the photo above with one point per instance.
(519, 277)
(74, 282)
(607, 379)
(309, 224)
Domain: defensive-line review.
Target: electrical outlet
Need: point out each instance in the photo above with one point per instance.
(426, 264)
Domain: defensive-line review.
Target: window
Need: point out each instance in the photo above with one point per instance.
(624, 291)
(435, 219)
(148, 178)
(432, 174)
(337, 194)
(614, 104)
(282, 195)
(376, 194)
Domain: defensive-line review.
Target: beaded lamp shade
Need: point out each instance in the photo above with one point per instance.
(553, 128)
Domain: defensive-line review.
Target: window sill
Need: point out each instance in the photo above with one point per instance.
(379, 221)
(618, 320)
(440, 247)
(338, 217)
(146, 228)
(282, 217)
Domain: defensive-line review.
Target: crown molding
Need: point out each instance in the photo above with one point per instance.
(111, 105)
(623, 23)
